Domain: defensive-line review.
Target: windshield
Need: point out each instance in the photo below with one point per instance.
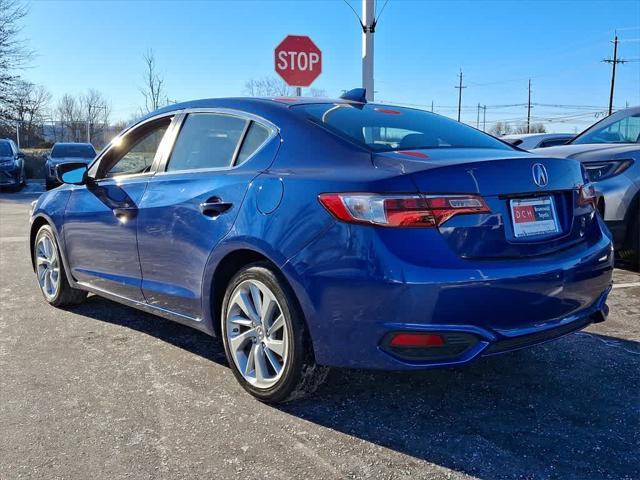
(79, 150)
(612, 130)
(5, 149)
(383, 128)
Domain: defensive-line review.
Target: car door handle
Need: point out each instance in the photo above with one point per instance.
(214, 207)
(124, 212)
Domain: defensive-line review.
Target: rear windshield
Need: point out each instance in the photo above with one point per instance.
(71, 150)
(5, 149)
(384, 128)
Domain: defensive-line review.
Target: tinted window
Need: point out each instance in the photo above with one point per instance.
(71, 150)
(5, 149)
(395, 128)
(554, 141)
(138, 150)
(625, 130)
(256, 136)
(206, 140)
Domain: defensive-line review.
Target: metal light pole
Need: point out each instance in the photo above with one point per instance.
(368, 29)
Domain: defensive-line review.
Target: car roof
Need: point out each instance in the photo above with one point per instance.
(244, 103)
(72, 143)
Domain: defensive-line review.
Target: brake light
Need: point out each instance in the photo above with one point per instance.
(587, 195)
(400, 210)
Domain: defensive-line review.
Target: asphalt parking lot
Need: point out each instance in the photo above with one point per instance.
(104, 391)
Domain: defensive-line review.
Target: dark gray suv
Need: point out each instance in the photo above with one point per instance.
(12, 172)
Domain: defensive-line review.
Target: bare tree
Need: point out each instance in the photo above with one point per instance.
(69, 114)
(95, 110)
(153, 88)
(316, 92)
(533, 128)
(27, 105)
(14, 55)
(267, 87)
(501, 128)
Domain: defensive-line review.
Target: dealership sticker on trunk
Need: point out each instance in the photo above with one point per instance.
(534, 216)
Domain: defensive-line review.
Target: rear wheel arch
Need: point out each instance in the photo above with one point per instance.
(226, 269)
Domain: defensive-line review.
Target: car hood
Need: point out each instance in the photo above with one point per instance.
(69, 159)
(591, 151)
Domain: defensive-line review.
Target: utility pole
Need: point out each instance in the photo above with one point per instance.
(529, 110)
(18, 134)
(368, 23)
(484, 118)
(613, 61)
(460, 87)
(478, 118)
(431, 106)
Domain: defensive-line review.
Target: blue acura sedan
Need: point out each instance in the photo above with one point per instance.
(312, 233)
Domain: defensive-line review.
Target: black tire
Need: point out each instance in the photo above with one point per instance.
(66, 295)
(301, 375)
(631, 254)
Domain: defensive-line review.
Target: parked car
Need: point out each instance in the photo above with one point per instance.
(610, 151)
(529, 141)
(12, 172)
(66, 153)
(311, 233)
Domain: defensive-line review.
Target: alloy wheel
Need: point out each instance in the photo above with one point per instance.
(257, 334)
(48, 267)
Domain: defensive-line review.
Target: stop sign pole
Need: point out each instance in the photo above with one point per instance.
(298, 61)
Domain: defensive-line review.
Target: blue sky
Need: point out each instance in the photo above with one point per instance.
(210, 49)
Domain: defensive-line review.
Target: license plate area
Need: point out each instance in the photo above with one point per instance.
(534, 217)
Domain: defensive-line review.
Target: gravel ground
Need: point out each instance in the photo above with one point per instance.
(104, 391)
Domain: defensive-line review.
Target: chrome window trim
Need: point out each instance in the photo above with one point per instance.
(248, 117)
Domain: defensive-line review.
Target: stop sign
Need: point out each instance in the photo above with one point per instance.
(298, 60)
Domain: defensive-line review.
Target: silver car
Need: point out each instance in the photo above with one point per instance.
(610, 152)
(529, 141)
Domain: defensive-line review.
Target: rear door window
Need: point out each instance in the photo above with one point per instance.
(207, 140)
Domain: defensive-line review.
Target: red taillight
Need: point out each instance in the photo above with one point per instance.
(400, 210)
(587, 195)
(417, 340)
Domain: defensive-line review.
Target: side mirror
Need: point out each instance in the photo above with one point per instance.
(20, 154)
(74, 173)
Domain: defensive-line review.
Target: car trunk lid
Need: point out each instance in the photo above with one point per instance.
(511, 185)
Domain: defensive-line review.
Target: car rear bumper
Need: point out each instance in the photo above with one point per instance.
(490, 307)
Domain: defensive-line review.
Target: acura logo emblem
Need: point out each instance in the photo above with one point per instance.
(540, 176)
